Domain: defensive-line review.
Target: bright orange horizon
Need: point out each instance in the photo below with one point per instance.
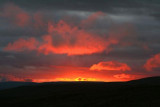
(68, 73)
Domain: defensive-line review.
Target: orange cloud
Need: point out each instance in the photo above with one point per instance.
(16, 15)
(122, 76)
(153, 62)
(75, 79)
(22, 44)
(110, 66)
(63, 38)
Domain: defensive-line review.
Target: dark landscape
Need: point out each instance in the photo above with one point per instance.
(137, 93)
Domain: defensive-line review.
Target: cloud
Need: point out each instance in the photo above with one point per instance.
(63, 38)
(84, 37)
(28, 80)
(15, 15)
(152, 63)
(110, 66)
(91, 19)
(22, 44)
(122, 76)
(39, 21)
(8, 77)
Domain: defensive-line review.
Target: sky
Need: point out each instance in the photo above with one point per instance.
(79, 40)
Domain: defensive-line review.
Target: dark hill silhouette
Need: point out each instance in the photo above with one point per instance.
(11, 84)
(14, 84)
(84, 94)
(148, 80)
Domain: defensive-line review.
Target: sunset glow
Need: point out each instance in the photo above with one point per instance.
(55, 43)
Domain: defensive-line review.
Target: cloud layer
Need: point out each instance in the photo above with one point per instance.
(110, 66)
(153, 63)
(88, 40)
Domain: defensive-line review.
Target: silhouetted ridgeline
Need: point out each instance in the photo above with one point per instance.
(148, 80)
(137, 93)
(10, 84)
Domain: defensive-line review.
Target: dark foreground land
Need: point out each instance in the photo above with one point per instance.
(138, 93)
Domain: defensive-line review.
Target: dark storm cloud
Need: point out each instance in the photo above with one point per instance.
(124, 6)
(85, 4)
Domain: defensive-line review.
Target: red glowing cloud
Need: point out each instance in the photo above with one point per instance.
(110, 66)
(122, 76)
(16, 15)
(22, 44)
(153, 62)
(63, 38)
